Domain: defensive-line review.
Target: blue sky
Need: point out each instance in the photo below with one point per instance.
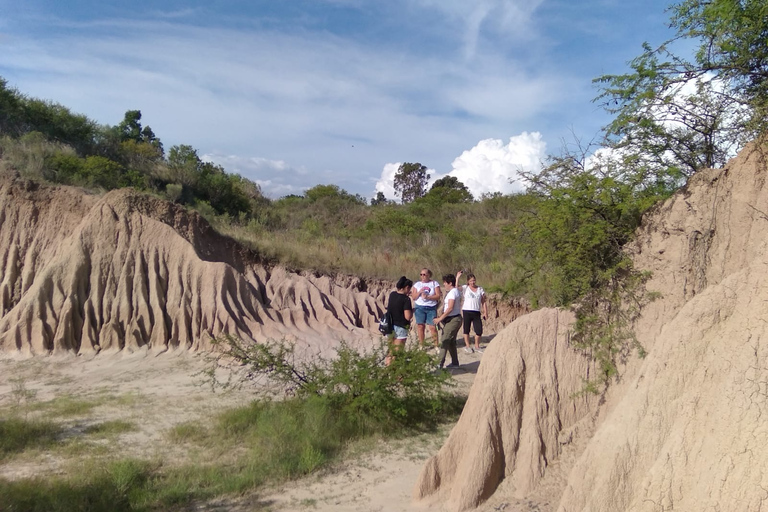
(295, 93)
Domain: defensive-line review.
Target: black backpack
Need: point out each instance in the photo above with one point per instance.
(385, 324)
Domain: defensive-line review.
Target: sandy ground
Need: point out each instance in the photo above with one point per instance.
(158, 391)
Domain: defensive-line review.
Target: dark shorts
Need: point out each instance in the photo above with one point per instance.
(473, 319)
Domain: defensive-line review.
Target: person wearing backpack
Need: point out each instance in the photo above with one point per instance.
(399, 306)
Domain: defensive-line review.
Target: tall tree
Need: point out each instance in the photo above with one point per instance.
(685, 114)
(130, 129)
(411, 181)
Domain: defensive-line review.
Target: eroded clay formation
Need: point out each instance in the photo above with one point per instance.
(685, 428)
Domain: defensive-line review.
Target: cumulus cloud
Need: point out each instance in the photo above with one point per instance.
(491, 166)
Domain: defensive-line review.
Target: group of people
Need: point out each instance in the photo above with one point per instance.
(463, 305)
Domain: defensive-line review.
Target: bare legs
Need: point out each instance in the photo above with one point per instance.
(477, 342)
(397, 345)
(420, 332)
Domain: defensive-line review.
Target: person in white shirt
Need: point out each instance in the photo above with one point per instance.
(474, 310)
(451, 320)
(425, 294)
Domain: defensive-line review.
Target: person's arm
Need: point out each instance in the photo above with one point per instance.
(408, 314)
(445, 313)
(415, 293)
(485, 306)
(436, 296)
(458, 275)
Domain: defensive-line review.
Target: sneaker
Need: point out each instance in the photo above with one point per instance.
(453, 365)
(479, 350)
(468, 350)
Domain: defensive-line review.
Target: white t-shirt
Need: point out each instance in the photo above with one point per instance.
(472, 300)
(456, 296)
(430, 287)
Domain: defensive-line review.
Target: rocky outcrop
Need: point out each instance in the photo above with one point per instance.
(126, 271)
(683, 429)
(520, 405)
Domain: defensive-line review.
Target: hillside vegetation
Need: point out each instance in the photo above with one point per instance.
(527, 244)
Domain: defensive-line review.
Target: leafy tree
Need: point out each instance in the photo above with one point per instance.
(380, 199)
(11, 110)
(224, 192)
(140, 156)
(63, 167)
(581, 210)
(449, 190)
(130, 129)
(411, 181)
(732, 35)
(688, 114)
(184, 165)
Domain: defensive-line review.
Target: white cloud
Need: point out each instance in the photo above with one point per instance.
(491, 166)
(511, 18)
(387, 181)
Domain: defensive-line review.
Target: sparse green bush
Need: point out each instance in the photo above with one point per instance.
(356, 385)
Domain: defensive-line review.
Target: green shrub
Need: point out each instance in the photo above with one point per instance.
(17, 435)
(356, 385)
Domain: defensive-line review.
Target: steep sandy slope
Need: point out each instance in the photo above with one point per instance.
(520, 403)
(122, 272)
(689, 431)
(685, 428)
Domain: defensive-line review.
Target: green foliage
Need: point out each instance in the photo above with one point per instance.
(17, 435)
(356, 385)
(411, 181)
(732, 36)
(332, 194)
(109, 428)
(117, 486)
(11, 110)
(448, 190)
(130, 129)
(582, 213)
(673, 112)
(380, 198)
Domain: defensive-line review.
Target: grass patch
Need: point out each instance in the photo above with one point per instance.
(265, 442)
(346, 404)
(118, 486)
(65, 406)
(109, 428)
(18, 435)
(187, 433)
